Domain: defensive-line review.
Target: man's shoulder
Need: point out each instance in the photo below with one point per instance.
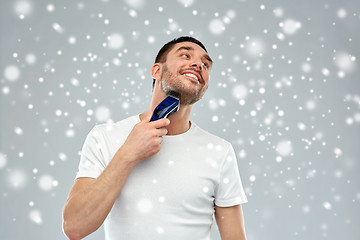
(210, 137)
(124, 124)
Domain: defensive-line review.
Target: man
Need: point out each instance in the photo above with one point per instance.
(159, 179)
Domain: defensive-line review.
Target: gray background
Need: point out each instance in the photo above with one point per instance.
(284, 91)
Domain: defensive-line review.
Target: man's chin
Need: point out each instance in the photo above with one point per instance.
(188, 95)
(188, 98)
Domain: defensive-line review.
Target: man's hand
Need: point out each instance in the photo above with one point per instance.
(144, 140)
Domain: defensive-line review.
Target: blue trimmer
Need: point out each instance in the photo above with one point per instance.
(167, 107)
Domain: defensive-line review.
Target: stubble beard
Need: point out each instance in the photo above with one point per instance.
(170, 83)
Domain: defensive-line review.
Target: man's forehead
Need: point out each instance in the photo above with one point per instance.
(190, 46)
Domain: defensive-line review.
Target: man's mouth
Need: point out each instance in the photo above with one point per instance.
(194, 76)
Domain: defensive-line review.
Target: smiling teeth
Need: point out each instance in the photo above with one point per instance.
(192, 76)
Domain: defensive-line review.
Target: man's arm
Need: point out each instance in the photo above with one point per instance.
(90, 200)
(230, 221)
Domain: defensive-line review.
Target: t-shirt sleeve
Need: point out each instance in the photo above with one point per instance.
(229, 191)
(91, 159)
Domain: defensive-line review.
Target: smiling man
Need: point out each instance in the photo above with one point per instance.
(163, 179)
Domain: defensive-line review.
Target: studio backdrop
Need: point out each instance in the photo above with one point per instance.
(284, 90)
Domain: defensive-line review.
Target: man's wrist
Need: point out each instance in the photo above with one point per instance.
(126, 157)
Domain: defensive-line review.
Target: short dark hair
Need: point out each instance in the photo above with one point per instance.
(161, 56)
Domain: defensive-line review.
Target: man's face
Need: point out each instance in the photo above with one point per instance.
(186, 71)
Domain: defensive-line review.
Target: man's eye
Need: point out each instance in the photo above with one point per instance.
(185, 55)
(205, 64)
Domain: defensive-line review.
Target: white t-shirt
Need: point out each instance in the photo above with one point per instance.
(172, 194)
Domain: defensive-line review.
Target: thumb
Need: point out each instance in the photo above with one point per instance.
(147, 118)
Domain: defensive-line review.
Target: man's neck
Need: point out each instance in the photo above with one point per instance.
(179, 121)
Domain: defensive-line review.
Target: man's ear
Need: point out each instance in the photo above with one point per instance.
(156, 71)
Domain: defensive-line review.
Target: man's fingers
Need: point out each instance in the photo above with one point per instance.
(158, 123)
(161, 123)
(162, 132)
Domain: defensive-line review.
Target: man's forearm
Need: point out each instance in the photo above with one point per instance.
(87, 208)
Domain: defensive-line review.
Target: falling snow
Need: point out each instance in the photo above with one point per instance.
(144, 206)
(3, 160)
(11, 73)
(17, 179)
(283, 90)
(35, 216)
(47, 182)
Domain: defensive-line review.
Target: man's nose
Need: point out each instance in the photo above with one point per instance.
(197, 64)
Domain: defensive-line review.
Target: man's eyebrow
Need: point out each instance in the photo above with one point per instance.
(184, 48)
(192, 49)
